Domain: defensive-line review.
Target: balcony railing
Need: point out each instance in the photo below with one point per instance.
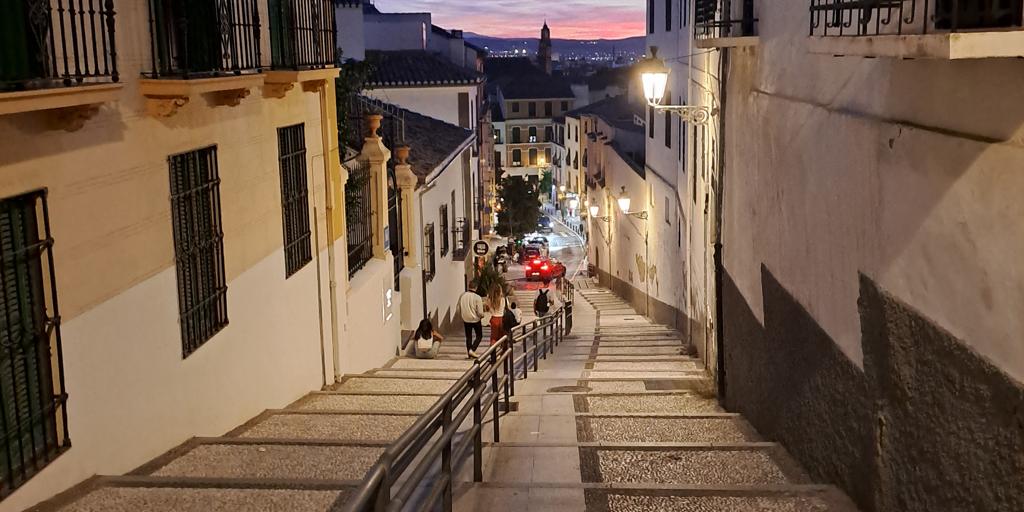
(56, 43)
(355, 129)
(359, 218)
(204, 38)
(302, 34)
(906, 17)
(724, 18)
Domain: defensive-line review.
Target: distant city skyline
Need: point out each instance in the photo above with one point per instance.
(568, 19)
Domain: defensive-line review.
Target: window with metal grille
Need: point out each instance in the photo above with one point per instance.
(460, 234)
(668, 15)
(291, 148)
(395, 225)
(359, 217)
(668, 123)
(32, 398)
(198, 247)
(531, 107)
(443, 213)
(429, 250)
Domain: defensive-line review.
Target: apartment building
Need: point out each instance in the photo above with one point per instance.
(172, 192)
(850, 210)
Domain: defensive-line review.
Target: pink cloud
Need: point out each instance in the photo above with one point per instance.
(572, 19)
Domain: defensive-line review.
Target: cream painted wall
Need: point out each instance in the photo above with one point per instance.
(913, 184)
(437, 102)
(131, 395)
(370, 339)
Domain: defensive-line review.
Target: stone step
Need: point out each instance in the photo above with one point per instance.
(790, 498)
(706, 429)
(761, 464)
(327, 401)
(302, 425)
(407, 363)
(110, 494)
(640, 350)
(363, 383)
(595, 375)
(638, 385)
(418, 374)
(686, 403)
(652, 366)
(219, 459)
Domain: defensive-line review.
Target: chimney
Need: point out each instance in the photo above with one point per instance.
(457, 34)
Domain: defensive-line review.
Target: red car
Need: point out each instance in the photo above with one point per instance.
(544, 269)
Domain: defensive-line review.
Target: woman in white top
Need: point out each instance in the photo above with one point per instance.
(425, 342)
(496, 302)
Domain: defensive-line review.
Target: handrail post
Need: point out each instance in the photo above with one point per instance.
(508, 374)
(446, 457)
(478, 438)
(535, 350)
(512, 365)
(494, 389)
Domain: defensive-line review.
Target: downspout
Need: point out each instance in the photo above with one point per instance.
(723, 73)
(328, 131)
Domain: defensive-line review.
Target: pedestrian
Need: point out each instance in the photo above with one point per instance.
(542, 305)
(471, 307)
(496, 303)
(425, 342)
(517, 316)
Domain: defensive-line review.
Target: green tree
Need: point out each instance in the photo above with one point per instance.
(520, 208)
(546, 183)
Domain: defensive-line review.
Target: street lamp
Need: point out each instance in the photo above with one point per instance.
(624, 203)
(654, 75)
(574, 204)
(561, 188)
(594, 210)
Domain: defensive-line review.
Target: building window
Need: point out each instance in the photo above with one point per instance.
(548, 134)
(668, 124)
(548, 108)
(533, 134)
(198, 247)
(650, 16)
(497, 137)
(460, 237)
(668, 15)
(291, 150)
(533, 156)
(668, 220)
(650, 122)
(443, 214)
(359, 218)
(577, 133)
(516, 135)
(517, 158)
(429, 256)
(532, 108)
(547, 155)
(395, 226)
(497, 159)
(515, 106)
(565, 106)
(32, 395)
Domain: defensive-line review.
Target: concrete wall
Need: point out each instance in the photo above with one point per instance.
(348, 18)
(397, 31)
(131, 395)
(436, 102)
(871, 233)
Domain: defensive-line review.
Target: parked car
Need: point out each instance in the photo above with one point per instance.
(544, 225)
(539, 240)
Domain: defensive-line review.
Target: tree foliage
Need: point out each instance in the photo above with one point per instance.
(520, 207)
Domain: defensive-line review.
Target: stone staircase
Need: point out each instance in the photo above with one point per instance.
(623, 418)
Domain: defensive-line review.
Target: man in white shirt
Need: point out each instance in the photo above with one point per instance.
(471, 307)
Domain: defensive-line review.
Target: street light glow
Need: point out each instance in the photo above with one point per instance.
(654, 75)
(624, 201)
(594, 210)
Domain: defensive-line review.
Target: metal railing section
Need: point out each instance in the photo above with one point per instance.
(302, 34)
(391, 485)
(55, 43)
(911, 17)
(196, 39)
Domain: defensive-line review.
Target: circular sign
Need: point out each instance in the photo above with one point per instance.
(481, 248)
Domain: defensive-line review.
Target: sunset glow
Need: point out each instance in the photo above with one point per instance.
(568, 19)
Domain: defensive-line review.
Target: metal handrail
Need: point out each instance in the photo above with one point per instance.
(418, 441)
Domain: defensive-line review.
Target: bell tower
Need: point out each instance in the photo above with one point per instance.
(544, 49)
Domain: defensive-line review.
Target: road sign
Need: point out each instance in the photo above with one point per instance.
(481, 248)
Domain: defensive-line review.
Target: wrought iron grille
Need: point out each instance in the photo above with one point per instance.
(897, 17)
(33, 410)
(54, 43)
(198, 247)
(429, 253)
(443, 213)
(291, 147)
(203, 38)
(395, 226)
(724, 18)
(460, 234)
(359, 216)
(302, 34)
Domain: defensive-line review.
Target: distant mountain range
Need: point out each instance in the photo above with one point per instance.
(565, 47)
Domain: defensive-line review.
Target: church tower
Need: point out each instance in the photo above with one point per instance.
(544, 49)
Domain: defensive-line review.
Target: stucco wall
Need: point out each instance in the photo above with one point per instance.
(878, 201)
(436, 102)
(131, 395)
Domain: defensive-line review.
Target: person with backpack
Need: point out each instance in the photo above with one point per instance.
(542, 305)
(516, 317)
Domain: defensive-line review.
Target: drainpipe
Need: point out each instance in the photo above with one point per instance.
(333, 182)
(723, 73)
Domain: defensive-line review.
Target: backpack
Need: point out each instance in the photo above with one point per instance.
(508, 320)
(542, 305)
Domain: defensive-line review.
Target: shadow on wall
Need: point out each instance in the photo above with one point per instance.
(928, 425)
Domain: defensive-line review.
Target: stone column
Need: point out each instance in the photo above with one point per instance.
(407, 186)
(377, 156)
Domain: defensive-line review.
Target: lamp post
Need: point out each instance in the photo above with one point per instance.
(654, 76)
(624, 203)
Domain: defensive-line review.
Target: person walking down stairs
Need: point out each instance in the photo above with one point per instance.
(471, 308)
